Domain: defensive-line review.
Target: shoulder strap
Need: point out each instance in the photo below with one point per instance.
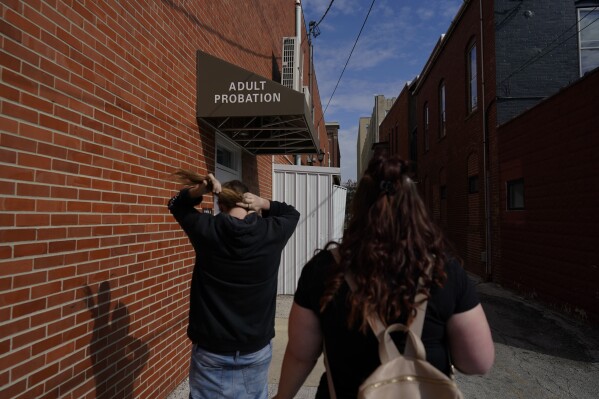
(375, 322)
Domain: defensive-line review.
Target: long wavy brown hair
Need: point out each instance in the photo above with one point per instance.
(389, 243)
(231, 191)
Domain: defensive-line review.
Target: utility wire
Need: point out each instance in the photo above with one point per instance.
(325, 13)
(347, 62)
(542, 52)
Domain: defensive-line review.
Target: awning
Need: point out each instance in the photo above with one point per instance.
(261, 115)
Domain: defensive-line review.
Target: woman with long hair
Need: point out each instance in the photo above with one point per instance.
(390, 245)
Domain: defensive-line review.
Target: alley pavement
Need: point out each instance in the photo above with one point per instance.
(540, 353)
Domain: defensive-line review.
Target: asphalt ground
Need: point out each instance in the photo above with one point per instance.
(540, 353)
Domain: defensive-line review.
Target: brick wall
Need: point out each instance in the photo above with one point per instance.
(549, 249)
(395, 128)
(446, 163)
(98, 107)
(537, 52)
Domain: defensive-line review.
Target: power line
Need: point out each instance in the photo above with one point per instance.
(542, 52)
(325, 13)
(347, 62)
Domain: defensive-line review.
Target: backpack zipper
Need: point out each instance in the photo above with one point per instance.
(409, 378)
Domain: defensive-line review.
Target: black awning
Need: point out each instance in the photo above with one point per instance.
(261, 115)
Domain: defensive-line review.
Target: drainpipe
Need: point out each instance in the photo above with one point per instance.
(298, 37)
(298, 45)
(488, 268)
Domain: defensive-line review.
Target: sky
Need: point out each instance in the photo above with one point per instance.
(393, 47)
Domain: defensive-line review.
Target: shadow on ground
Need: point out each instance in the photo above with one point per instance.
(524, 324)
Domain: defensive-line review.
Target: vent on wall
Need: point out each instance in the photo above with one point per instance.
(289, 68)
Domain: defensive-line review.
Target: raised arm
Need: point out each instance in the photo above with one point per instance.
(182, 205)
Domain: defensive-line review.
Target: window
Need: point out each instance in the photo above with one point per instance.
(442, 120)
(515, 194)
(414, 148)
(425, 123)
(225, 157)
(588, 39)
(473, 184)
(472, 74)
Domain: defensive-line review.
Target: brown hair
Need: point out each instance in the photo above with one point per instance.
(389, 243)
(231, 191)
(188, 177)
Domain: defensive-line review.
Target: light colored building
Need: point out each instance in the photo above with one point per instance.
(362, 132)
(382, 105)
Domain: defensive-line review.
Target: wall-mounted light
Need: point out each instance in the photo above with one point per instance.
(320, 155)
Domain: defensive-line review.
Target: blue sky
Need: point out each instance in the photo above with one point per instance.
(393, 48)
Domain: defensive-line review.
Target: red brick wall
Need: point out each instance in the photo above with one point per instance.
(395, 128)
(98, 108)
(549, 249)
(447, 157)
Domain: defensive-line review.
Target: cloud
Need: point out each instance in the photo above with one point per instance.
(394, 46)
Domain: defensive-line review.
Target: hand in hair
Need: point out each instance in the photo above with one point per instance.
(252, 202)
(199, 185)
(209, 183)
(216, 187)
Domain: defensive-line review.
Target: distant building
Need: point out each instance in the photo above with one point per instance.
(501, 126)
(363, 126)
(333, 156)
(381, 106)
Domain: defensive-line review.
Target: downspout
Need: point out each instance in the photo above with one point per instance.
(487, 200)
(298, 45)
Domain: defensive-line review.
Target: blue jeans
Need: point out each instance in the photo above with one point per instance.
(214, 376)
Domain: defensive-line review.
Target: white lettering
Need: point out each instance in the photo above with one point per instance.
(255, 86)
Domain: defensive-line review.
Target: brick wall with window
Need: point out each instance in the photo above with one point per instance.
(549, 235)
(98, 107)
(462, 137)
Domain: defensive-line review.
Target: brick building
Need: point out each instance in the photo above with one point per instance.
(334, 154)
(368, 140)
(101, 100)
(474, 114)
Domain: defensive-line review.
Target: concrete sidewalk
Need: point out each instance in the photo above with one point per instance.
(279, 343)
(540, 353)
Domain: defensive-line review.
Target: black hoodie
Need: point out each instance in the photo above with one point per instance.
(234, 281)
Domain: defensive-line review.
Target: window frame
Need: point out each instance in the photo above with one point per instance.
(443, 192)
(426, 130)
(510, 202)
(473, 186)
(581, 49)
(442, 110)
(472, 76)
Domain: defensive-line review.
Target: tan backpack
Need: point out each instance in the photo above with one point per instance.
(407, 376)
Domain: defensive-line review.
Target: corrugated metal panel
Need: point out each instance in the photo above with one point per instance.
(311, 191)
(339, 198)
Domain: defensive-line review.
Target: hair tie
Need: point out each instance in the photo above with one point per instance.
(387, 187)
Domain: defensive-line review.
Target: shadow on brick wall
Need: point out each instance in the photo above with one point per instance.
(117, 357)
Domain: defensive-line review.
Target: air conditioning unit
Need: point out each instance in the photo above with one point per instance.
(289, 71)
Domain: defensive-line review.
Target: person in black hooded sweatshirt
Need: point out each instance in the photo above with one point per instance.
(233, 285)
